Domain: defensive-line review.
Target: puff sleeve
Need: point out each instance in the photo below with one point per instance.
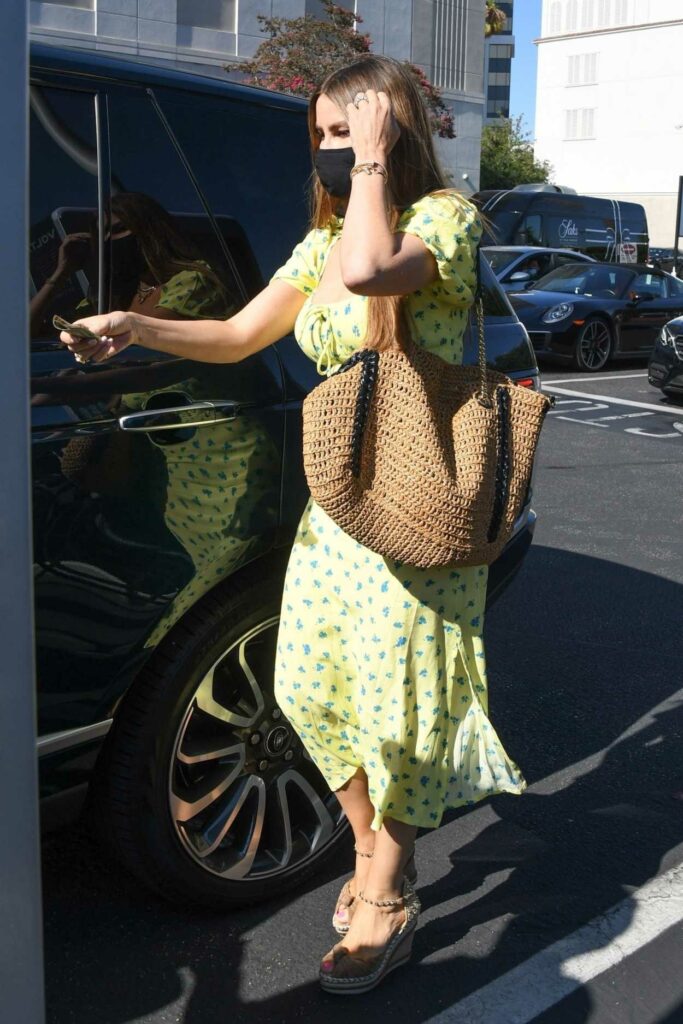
(450, 227)
(303, 268)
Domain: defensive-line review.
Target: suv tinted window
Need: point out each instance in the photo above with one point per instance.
(63, 206)
(230, 147)
(166, 258)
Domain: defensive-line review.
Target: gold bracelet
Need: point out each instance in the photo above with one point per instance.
(370, 167)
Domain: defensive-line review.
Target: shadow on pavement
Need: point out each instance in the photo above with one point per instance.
(584, 670)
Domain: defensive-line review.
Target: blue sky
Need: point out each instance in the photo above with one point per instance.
(527, 27)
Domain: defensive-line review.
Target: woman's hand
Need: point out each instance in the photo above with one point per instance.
(116, 331)
(73, 254)
(373, 129)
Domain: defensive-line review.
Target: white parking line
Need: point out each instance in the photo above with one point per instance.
(587, 380)
(528, 990)
(614, 401)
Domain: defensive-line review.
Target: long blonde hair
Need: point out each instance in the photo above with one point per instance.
(412, 166)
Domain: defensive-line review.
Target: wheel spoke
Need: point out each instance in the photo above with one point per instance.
(243, 866)
(241, 717)
(326, 824)
(242, 805)
(184, 810)
(595, 345)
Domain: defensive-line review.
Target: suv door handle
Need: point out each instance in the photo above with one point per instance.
(196, 414)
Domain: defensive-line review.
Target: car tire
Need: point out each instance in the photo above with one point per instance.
(203, 789)
(593, 346)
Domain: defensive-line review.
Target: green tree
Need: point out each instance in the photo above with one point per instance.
(494, 19)
(507, 156)
(300, 52)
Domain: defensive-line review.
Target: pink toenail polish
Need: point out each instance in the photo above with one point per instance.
(327, 965)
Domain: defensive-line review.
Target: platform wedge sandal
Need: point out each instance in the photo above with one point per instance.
(354, 975)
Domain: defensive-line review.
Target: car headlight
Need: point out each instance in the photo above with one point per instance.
(560, 312)
(666, 338)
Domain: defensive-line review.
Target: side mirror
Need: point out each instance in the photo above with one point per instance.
(637, 297)
(520, 275)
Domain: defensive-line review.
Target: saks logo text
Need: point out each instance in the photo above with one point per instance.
(568, 229)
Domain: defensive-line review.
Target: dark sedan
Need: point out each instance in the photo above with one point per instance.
(591, 314)
(665, 369)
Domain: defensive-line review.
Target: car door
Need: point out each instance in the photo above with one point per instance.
(155, 477)
(648, 307)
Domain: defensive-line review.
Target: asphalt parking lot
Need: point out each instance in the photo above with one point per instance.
(563, 905)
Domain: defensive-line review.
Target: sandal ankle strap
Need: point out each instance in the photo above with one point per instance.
(398, 902)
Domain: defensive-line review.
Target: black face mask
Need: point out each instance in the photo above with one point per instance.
(333, 167)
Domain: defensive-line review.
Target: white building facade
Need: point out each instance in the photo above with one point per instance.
(444, 37)
(609, 105)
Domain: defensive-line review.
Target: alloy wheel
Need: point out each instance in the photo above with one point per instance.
(245, 798)
(595, 343)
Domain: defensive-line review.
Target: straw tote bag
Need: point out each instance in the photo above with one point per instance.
(420, 460)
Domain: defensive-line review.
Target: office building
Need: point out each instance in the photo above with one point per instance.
(499, 51)
(609, 107)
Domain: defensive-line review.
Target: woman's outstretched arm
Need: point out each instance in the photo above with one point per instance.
(269, 316)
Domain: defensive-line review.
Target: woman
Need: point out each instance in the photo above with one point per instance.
(380, 666)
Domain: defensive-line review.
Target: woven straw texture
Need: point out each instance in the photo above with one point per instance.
(437, 470)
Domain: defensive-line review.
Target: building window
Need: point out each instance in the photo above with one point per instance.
(579, 123)
(218, 14)
(572, 15)
(587, 13)
(497, 108)
(620, 12)
(451, 20)
(556, 17)
(604, 13)
(89, 5)
(506, 8)
(496, 51)
(582, 69)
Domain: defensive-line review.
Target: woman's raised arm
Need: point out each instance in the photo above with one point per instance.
(269, 316)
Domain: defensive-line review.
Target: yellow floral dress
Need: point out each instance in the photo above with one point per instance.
(381, 665)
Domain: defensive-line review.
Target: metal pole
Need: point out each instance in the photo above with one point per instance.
(21, 957)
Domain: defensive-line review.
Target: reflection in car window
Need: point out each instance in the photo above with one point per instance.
(562, 258)
(500, 258)
(63, 206)
(162, 255)
(648, 284)
(675, 287)
(579, 279)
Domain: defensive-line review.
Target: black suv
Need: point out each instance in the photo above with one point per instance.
(167, 492)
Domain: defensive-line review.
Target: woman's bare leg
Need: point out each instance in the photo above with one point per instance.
(372, 927)
(355, 802)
